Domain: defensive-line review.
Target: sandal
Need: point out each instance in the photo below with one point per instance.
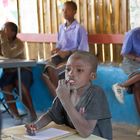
(118, 90)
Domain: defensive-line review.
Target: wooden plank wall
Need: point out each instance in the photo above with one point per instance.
(97, 16)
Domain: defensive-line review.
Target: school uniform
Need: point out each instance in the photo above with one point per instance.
(71, 38)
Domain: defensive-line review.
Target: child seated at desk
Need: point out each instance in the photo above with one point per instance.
(13, 48)
(79, 104)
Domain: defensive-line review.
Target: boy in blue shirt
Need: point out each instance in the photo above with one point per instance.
(71, 37)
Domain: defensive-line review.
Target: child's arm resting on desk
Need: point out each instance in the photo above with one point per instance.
(84, 127)
(40, 123)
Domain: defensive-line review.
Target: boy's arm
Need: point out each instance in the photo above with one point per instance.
(40, 123)
(84, 127)
(43, 121)
(12, 50)
(64, 54)
(55, 50)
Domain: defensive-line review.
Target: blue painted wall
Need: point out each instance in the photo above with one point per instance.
(41, 96)
(106, 77)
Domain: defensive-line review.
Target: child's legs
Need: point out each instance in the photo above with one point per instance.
(7, 84)
(50, 74)
(136, 91)
(53, 75)
(131, 81)
(12, 106)
(27, 80)
(27, 101)
(50, 77)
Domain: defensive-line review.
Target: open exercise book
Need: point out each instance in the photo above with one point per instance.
(48, 134)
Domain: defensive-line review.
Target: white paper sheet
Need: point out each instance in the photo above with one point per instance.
(48, 134)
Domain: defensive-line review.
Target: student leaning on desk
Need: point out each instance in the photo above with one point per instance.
(13, 48)
(78, 104)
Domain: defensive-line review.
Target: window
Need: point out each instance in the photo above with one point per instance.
(8, 11)
(135, 13)
(28, 16)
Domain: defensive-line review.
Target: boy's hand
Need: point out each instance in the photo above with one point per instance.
(63, 91)
(63, 54)
(54, 51)
(31, 129)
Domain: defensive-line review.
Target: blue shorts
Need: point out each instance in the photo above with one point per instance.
(10, 77)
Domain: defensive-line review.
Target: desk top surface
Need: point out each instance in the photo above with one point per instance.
(14, 63)
(18, 132)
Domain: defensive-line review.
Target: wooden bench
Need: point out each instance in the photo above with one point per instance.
(106, 39)
(92, 39)
(102, 45)
(38, 38)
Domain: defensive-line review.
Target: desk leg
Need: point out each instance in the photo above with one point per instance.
(19, 83)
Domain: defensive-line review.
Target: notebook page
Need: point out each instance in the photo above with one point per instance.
(47, 134)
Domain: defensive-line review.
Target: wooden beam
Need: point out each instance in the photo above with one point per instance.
(92, 39)
(106, 38)
(33, 37)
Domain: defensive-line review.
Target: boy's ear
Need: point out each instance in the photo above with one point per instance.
(93, 76)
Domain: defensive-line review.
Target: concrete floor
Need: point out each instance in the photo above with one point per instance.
(125, 132)
(120, 131)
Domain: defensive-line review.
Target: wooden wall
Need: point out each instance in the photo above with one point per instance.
(97, 16)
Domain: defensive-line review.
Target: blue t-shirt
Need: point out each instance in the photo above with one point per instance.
(72, 38)
(131, 46)
(131, 43)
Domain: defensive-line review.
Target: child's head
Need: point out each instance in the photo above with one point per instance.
(69, 10)
(81, 68)
(10, 29)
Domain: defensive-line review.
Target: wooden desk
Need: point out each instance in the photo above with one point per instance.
(18, 132)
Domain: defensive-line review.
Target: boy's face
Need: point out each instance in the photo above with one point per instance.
(68, 12)
(78, 72)
(9, 33)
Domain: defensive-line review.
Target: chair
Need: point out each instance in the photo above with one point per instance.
(3, 102)
(5, 106)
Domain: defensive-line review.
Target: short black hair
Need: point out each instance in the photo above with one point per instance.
(72, 4)
(88, 57)
(12, 26)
